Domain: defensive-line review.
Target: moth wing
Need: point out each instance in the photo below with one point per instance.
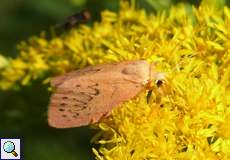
(85, 96)
(56, 81)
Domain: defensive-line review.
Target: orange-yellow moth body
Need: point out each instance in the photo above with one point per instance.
(84, 96)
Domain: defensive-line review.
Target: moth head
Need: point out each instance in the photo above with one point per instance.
(157, 78)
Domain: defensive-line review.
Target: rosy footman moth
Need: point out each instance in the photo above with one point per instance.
(84, 96)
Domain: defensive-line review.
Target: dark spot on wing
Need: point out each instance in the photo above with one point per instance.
(83, 107)
(81, 102)
(64, 97)
(64, 115)
(85, 96)
(95, 92)
(63, 104)
(78, 108)
(77, 85)
(94, 89)
(81, 99)
(61, 109)
(125, 71)
(76, 115)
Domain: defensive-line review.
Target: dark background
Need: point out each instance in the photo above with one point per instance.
(23, 112)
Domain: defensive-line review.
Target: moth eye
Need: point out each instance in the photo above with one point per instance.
(159, 82)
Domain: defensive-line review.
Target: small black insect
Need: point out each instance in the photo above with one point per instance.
(75, 19)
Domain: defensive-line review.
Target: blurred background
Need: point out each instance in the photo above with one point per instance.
(23, 112)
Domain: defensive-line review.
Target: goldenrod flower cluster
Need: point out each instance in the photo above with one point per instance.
(187, 117)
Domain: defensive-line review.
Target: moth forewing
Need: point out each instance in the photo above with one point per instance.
(85, 96)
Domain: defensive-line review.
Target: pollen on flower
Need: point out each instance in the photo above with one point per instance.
(188, 118)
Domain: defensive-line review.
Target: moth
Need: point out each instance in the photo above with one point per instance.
(84, 96)
(75, 19)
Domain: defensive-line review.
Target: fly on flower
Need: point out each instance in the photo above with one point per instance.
(75, 19)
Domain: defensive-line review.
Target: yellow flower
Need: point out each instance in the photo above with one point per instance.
(3, 62)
